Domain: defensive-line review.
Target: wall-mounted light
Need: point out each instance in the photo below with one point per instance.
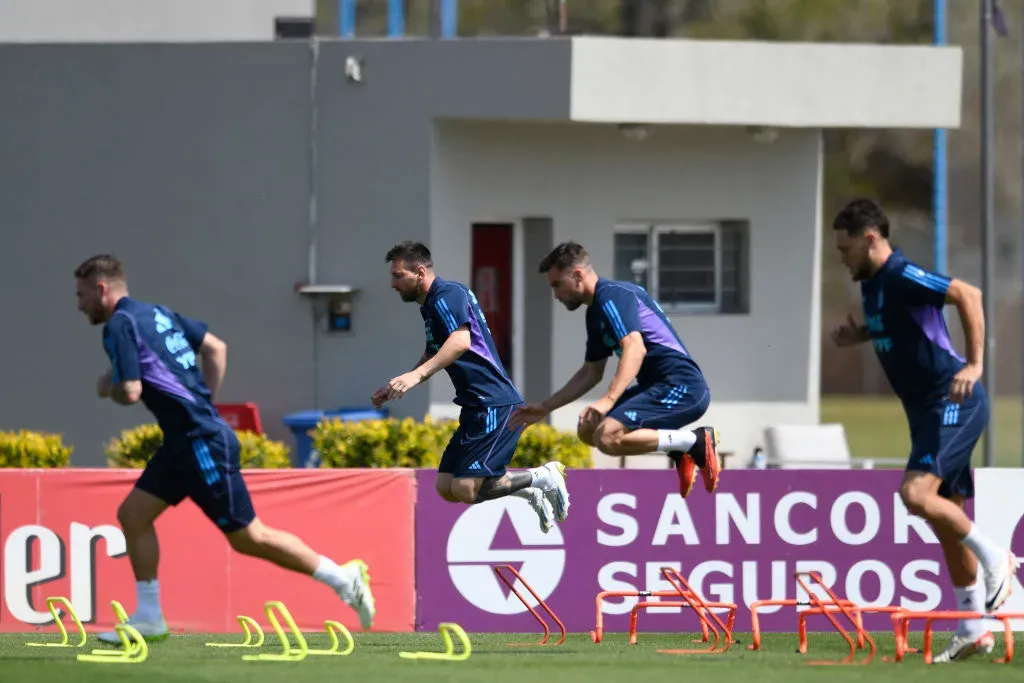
(635, 132)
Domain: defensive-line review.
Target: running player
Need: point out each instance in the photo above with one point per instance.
(473, 467)
(946, 407)
(175, 366)
(670, 390)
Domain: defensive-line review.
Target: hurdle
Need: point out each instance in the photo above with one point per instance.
(544, 605)
(695, 600)
(597, 634)
(901, 622)
(828, 609)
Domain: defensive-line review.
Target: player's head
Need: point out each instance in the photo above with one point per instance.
(862, 237)
(570, 274)
(100, 283)
(412, 270)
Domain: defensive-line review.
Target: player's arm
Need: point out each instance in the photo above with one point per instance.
(212, 351)
(455, 345)
(585, 379)
(968, 301)
(622, 317)
(123, 382)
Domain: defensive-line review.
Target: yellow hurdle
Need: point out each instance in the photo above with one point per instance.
(289, 653)
(248, 625)
(64, 639)
(135, 648)
(449, 654)
(333, 629)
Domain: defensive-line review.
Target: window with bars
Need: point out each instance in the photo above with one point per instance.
(687, 268)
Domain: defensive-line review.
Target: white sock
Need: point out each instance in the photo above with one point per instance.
(147, 596)
(970, 599)
(988, 553)
(330, 573)
(676, 439)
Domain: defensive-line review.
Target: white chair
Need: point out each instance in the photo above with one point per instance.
(821, 447)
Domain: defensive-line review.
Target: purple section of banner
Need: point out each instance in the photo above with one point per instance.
(742, 544)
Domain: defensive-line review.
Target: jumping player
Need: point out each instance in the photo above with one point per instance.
(947, 409)
(472, 469)
(175, 367)
(670, 390)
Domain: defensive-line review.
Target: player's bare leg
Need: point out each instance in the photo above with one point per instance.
(443, 486)
(920, 493)
(351, 581)
(690, 449)
(136, 515)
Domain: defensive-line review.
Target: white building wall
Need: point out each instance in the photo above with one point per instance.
(762, 367)
(83, 21)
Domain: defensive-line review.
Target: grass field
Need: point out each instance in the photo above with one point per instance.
(877, 427)
(185, 658)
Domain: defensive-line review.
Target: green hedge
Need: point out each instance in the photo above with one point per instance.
(134, 447)
(33, 449)
(395, 442)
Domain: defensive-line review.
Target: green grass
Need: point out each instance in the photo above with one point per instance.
(185, 658)
(877, 427)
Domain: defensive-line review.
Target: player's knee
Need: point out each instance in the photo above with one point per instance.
(464, 490)
(585, 432)
(132, 518)
(608, 439)
(250, 540)
(444, 489)
(915, 497)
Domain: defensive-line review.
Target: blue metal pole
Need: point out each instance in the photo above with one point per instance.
(347, 18)
(396, 18)
(940, 185)
(449, 18)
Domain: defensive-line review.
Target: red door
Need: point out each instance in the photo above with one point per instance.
(492, 283)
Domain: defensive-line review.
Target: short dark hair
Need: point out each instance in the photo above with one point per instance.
(100, 267)
(565, 255)
(413, 253)
(860, 214)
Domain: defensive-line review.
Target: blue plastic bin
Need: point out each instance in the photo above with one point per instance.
(303, 421)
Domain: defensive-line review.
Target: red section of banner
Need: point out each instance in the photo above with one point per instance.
(59, 536)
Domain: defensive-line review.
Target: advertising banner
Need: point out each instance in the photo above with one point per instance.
(742, 544)
(59, 536)
(999, 512)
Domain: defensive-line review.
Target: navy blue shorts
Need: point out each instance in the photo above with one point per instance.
(483, 445)
(661, 406)
(206, 470)
(943, 438)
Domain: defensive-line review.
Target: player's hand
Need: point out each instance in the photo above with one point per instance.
(595, 412)
(104, 383)
(524, 416)
(963, 383)
(398, 386)
(848, 333)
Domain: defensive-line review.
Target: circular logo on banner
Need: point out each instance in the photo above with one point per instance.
(503, 531)
(1017, 546)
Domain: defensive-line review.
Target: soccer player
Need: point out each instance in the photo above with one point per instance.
(472, 469)
(670, 390)
(175, 367)
(946, 407)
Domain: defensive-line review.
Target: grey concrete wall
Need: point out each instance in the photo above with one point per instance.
(192, 163)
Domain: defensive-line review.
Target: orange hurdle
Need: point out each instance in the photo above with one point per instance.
(858, 610)
(901, 621)
(841, 606)
(695, 600)
(544, 605)
(598, 633)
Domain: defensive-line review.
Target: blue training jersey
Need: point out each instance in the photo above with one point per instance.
(620, 308)
(903, 312)
(478, 375)
(158, 346)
